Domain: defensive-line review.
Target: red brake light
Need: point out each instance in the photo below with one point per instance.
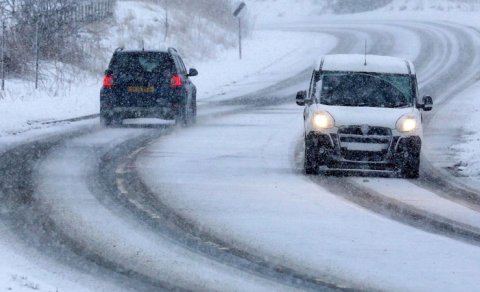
(176, 81)
(108, 81)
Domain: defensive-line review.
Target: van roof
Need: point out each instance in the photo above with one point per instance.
(356, 63)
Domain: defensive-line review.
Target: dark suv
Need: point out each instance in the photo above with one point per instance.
(147, 84)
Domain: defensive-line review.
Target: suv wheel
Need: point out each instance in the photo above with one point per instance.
(311, 160)
(184, 115)
(194, 110)
(106, 120)
(190, 115)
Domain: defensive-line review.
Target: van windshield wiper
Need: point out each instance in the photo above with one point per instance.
(356, 104)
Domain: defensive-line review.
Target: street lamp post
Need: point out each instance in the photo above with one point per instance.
(240, 37)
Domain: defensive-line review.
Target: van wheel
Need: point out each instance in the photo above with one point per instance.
(411, 168)
(311, 161)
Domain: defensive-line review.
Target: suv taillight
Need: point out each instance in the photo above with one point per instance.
(176, 81)
(108, 81)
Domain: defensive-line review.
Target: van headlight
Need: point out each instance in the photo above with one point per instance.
(407, 123)
(323, 120)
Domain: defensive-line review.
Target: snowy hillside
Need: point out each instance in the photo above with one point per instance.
(139, 23)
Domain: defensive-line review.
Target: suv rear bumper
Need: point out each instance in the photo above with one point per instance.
(331, 156)
(164, 106)
(140, 112)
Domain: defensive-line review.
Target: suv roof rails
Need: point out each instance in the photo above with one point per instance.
(170, 50)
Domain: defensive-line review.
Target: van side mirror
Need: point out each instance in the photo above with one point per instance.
(192, 72)
(300, 99)
(108, 72)
(427, 103)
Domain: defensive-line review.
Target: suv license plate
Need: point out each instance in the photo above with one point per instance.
(141, 89)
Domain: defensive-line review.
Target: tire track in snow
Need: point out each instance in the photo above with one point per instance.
(29, 218)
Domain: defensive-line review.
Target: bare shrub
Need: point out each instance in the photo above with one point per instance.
(52, 26)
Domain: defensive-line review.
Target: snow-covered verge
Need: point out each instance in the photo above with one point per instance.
(466, 151)
(60, 96)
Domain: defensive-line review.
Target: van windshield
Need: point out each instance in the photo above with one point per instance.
(366, 89)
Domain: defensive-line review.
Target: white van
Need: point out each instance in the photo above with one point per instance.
(362, 113)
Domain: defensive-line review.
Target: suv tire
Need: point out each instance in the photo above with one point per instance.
(106, 120)
(184, 115)
(194, 110)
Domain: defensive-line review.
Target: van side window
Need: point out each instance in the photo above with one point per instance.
(318, 89)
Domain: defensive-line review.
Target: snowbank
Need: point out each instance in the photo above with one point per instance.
(466, 151)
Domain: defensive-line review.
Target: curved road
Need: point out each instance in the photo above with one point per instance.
(142, 209)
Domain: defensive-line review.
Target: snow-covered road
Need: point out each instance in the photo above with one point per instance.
(224, 205)
(236, 178)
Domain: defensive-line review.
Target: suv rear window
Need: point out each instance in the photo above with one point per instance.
(142, 62)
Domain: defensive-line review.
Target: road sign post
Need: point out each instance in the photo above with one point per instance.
(236, 13)
(4, 39)
(166, 21)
